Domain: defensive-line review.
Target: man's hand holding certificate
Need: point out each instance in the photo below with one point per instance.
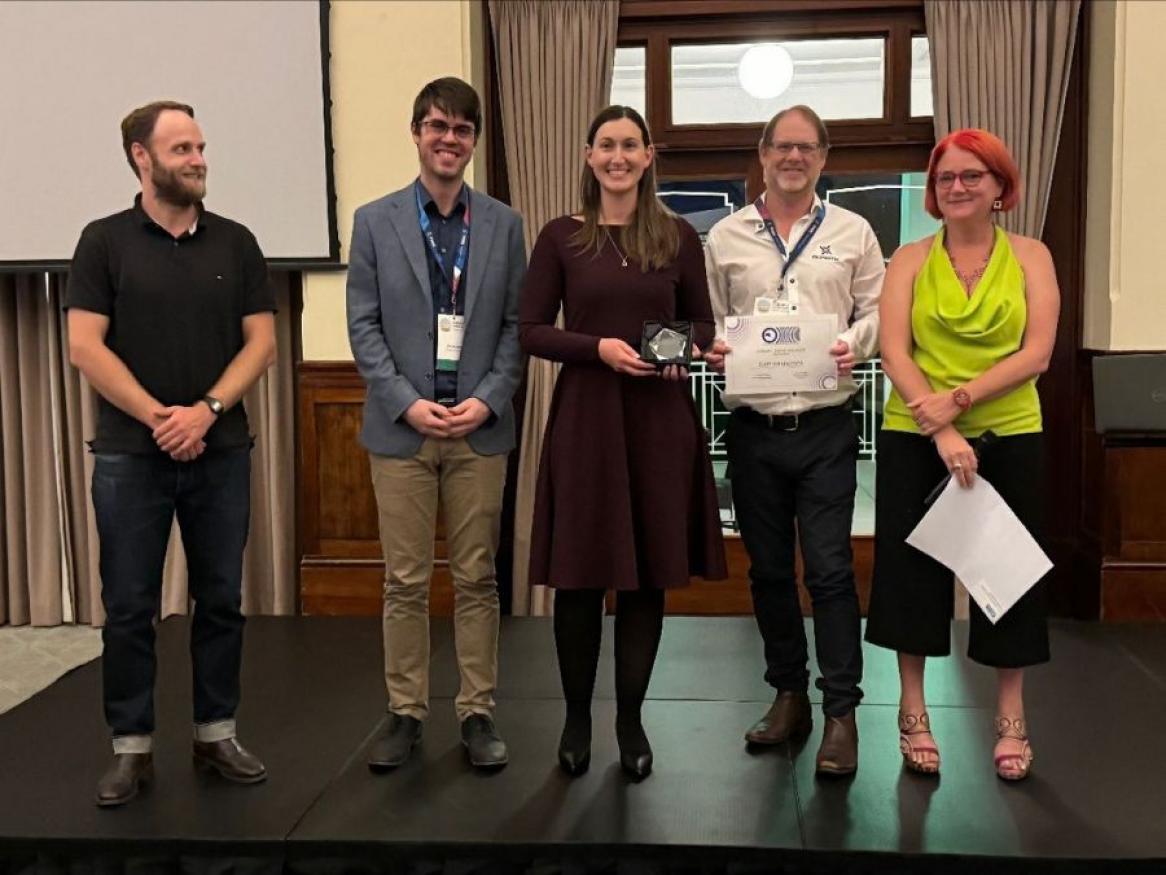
(780, 353)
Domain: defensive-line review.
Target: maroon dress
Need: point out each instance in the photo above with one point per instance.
(625, 495)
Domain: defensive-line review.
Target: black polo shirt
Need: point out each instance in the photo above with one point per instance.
(447, 232)
(175, 308)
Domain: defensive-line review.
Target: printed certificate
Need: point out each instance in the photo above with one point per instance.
(780, 354)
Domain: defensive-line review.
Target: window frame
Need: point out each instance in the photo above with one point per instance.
(895, 143)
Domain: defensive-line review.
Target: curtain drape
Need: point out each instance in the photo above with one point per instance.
(554, 71)
(1003, 65)
(48, 540)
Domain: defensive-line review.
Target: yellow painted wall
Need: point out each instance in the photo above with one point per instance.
(383, 52)
(1125, 296)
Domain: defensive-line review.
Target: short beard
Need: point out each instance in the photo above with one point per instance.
(168, 186)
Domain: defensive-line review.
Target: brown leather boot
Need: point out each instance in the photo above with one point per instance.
(838, 754)
(230, 759)
(122, 780)
(788, 719)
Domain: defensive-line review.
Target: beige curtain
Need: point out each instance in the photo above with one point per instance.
(34, 567)
(1003, 65)
(48, 540)
(554, 73)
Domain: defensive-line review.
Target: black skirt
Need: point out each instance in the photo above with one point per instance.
(912, 595)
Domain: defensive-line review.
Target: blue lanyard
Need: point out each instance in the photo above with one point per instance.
(459, 258)
(803, 241)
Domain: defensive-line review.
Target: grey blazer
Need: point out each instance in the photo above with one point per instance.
(390, 320)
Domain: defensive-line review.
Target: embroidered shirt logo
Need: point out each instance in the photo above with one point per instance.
(824, 253)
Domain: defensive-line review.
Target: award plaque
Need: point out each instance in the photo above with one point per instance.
(667, 343)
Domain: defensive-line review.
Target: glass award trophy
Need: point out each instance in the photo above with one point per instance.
(667, 343)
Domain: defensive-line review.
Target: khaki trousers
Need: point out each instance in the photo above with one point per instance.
(469, 489)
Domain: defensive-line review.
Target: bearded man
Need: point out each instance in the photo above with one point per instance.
(170, 316)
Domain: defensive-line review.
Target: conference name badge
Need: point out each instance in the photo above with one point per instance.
(767, 306)
(451, 332)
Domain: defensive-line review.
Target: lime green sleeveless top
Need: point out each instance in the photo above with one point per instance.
(958, 337)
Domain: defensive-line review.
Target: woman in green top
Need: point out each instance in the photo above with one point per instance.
(968, 320)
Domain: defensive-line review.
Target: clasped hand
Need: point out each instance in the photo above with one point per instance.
(179, 431)
(934, 412)
(438, 421)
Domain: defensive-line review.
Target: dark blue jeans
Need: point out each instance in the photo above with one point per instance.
(136, 498)
(794, 488)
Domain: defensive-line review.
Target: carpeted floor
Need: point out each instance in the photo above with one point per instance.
(31, 658)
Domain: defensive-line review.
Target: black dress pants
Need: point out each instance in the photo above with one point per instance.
(796, 486)
(912, 595)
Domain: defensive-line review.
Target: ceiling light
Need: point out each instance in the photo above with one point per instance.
(765, 71)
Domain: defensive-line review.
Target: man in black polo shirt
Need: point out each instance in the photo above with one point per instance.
(171, 321)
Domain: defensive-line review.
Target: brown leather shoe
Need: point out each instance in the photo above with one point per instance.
(838, 754)
(788, 719)
(122, 780)
(230, 759)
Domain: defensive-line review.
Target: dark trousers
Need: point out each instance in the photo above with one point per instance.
(136, 498)
(805, 476)
(912, 596)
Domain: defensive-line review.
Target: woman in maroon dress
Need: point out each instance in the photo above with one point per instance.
(625, 496)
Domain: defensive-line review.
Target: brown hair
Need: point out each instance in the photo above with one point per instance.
(453, 97)
(138, 126)
(810, 116)
(652, 237)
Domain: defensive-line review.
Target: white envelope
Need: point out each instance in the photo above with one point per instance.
(975, 534)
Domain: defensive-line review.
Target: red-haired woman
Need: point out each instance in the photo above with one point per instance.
(968, 320)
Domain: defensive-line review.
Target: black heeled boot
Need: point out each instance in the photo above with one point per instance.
(635, 753)
(575, 742)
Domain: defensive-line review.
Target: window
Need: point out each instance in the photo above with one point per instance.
(921, 97)
(628, 80)
(749, 82)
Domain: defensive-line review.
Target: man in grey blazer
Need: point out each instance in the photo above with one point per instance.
(433, 280)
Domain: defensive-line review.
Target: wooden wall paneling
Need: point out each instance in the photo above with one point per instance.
(341, 569)
(1133, 570)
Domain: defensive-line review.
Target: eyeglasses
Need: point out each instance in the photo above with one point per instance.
(967, 178)
(807, 149)
(440, 128)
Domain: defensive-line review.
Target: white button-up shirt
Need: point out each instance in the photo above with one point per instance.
(839, 273)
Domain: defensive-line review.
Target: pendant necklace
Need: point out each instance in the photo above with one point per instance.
(623, 259)
(969, 280)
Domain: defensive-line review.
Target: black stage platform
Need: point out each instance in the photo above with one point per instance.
(313, 697)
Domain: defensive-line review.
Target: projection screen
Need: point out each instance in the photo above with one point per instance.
(255, 72)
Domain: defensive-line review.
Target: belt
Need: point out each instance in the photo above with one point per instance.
(789, 421)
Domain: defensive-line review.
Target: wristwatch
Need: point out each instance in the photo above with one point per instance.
(961, 398)
(214, 404)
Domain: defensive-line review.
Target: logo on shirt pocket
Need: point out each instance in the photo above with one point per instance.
(825, 253)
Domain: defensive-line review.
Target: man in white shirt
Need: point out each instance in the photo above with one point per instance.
(792, 456)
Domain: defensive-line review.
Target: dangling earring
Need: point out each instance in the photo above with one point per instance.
(997, 205)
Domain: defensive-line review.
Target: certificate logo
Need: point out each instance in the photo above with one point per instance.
(782, 334)
(735, 328)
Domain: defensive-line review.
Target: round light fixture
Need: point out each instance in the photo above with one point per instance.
(765, 71)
